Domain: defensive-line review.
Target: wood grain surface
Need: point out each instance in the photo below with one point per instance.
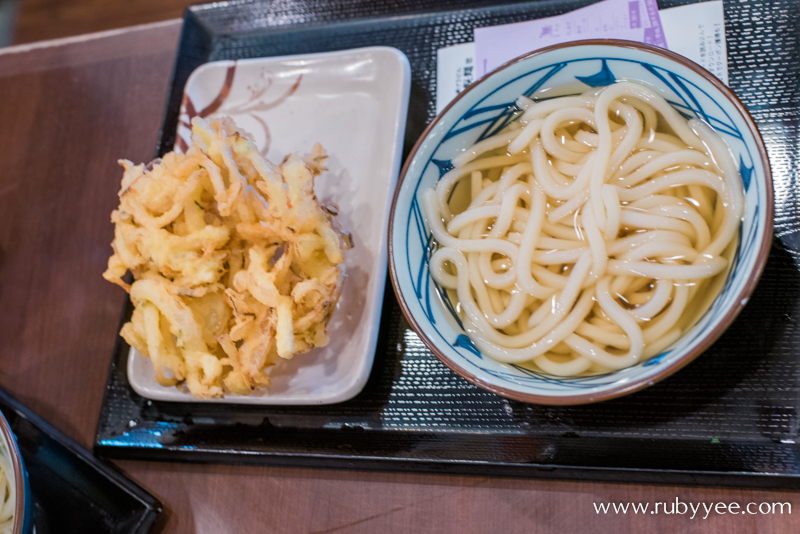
(51, 19)
(69, 110)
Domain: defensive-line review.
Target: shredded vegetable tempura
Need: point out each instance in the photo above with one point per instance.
(235, 262)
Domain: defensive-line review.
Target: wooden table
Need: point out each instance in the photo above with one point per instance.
(68, 110)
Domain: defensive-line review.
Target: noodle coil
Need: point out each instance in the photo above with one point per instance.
(590, 234)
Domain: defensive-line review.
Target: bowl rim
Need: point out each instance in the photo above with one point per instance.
(705, 342)
(19, 477)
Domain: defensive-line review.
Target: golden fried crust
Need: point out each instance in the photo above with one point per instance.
(236, 263)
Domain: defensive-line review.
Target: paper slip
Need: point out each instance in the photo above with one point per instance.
(455, 70)
(702, 40)
(697, 31)
(633, 20)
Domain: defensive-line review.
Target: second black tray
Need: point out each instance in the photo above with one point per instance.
(729, 418)
(72, 491)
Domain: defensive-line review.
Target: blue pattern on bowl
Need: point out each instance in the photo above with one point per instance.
(481, 114)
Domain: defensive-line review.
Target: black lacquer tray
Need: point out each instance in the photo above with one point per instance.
(72, 491)
(729, 418)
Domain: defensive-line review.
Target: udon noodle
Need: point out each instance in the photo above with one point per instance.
(8, 496)
(590, 233)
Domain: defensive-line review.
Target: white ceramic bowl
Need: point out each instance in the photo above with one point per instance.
(485, 107)
(15, 471)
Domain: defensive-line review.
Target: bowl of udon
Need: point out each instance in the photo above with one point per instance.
(581, 222)
(15, 500)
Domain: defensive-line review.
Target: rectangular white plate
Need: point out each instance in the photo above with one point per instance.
(354, 103)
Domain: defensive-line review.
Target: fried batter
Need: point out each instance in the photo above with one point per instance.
(235, 262)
